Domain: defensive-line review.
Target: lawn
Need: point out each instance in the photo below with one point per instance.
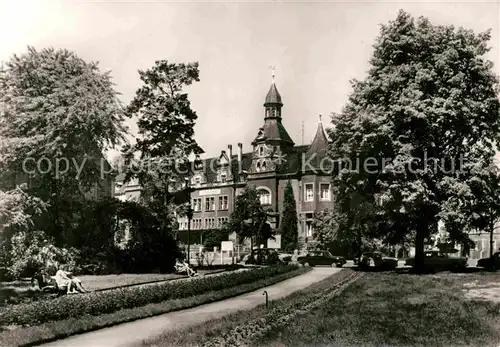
(379, 309)
(22, 291)
(398, 310)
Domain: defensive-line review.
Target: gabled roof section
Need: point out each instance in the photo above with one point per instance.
(273, 96)
(223, 159)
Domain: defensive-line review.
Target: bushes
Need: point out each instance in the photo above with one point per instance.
(98, 303)
(106, 247)
(32, 251)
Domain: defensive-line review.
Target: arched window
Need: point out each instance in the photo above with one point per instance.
(264, 166)
(261, 151)
(258, 166)
(264, 196)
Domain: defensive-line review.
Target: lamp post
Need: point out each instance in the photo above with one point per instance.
(189, 215)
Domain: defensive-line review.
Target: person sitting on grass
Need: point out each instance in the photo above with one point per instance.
(65, 279)
(182, 266)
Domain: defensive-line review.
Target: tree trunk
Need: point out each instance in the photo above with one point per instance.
(251, 236)
(492, 229)
(419, 249)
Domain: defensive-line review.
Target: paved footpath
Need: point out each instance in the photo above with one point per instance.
(129, 334)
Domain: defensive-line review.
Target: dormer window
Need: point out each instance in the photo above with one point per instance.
(261, 151)
(197, 180)
(223, 178)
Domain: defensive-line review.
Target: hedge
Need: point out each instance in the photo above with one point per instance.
(97, 303)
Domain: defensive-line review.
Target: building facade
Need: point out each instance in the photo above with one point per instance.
(273, 161)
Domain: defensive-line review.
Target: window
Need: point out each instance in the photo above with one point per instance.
(197, 180)
(221, 221)
(261, 151)
(223, 178)
(258, 166)
(264, 166)
(222, 202)
(196, 205)
(265, 196)
(308, 192)
(325, 191)
(210, 204)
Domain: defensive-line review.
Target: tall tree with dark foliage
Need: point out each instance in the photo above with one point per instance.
(426, 114)
(289, 223)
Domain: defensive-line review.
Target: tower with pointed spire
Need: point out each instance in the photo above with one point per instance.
(272, 139)
(272, 162)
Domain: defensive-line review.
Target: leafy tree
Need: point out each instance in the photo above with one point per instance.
(426, 113)
(17, 210)
(484, 211)
(289, 224)
(249, 219)
(23, 248)
(56, 109)
(166, 127)
(348, 229)
(214, 237)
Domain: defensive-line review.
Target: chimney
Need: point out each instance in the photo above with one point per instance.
(240, 153)
(230, 152)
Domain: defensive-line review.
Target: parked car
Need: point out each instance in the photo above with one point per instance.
(263, 256)
(313, 258)
(284, 256)
(437, 260)
(377, 260)
(491, 263)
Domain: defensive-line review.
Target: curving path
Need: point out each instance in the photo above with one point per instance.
(133, 333)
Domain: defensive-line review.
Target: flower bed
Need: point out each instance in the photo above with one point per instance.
(99, 303)
(243, 335)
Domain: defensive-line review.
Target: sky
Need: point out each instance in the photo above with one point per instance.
(316, 48)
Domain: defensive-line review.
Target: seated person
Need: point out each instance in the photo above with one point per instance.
(66, 280)
(182, 266)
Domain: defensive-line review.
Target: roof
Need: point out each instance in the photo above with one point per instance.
(274, 130)
(320, 142)
(318, 151)
(273, 96)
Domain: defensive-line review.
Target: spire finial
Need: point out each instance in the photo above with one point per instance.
(320, 117)
(272, 68)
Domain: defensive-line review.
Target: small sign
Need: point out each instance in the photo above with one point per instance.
(226, 246)
(210, 192)
(274, 243)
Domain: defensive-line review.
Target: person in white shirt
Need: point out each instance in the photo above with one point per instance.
(66, 279)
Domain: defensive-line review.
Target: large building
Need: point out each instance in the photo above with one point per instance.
(274, 160)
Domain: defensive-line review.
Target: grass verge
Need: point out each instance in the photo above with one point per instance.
(199, 334)
(395, 310)
(31, 336)
(379, 309)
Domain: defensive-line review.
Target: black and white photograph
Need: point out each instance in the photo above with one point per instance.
(202, 173)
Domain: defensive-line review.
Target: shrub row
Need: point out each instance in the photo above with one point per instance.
(219, 267)
(98, 303)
